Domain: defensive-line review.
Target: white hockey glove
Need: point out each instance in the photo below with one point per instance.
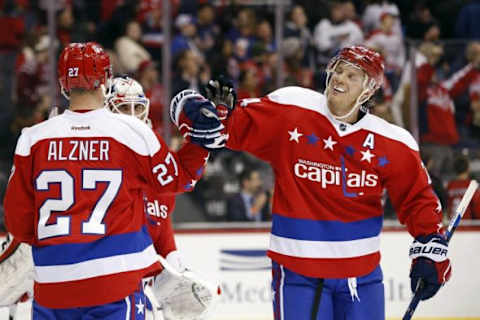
(184, 295)
(16, 271)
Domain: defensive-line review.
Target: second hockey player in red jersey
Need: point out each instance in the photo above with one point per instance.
(332, 160)
(75, 194)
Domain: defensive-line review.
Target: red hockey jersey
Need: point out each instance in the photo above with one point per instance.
(455, 191)
(76, 195)
(329, 180)
(159, 222)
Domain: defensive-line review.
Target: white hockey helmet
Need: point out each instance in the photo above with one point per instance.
(127, 97)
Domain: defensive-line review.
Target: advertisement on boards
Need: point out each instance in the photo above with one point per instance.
(238, 262)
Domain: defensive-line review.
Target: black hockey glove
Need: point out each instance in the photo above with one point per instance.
(221, 92)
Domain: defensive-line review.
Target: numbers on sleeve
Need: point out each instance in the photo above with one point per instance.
(90, 178)
(161, 170)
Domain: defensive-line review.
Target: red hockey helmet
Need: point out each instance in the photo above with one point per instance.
(365, 58)
(84, 66)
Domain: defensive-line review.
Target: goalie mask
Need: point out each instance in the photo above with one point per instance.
(127, 97)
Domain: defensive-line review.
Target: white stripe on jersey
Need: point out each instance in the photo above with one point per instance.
(282, 282)
(127, 130)
(96, 267)
(308, 99)
(127, 314)
(324, 249)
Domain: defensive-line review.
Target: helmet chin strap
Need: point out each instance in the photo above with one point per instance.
(361, 99)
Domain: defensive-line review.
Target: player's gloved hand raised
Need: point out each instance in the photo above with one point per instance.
(430, 264)
(197, 120)
(221, 92)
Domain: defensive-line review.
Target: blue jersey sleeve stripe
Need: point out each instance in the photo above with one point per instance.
(315, 230)
(113, 245)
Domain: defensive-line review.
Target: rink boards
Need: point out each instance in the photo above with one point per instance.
(236, 259)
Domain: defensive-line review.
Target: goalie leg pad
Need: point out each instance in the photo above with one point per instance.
(16, 271)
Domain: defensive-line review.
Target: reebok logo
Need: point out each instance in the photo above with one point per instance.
(78, 128)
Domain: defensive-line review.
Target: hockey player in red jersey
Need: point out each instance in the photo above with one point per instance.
(75, 194)
(332, 160)
(127, 97)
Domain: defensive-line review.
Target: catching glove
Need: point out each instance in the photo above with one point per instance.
(221, 92)
(197, 120)
(430, 264)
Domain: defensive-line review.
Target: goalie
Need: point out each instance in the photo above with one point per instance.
(177, 293)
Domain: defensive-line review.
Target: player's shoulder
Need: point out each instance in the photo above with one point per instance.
(127, 130)
(299, 97)
(390, 131)
(133, 133)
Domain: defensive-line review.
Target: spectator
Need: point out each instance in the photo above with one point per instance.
(188, 72)
(185, 40)
(248, 84)
(150, 17)
(427, 57)
(265, 36)
(296, 74)
(457, 187)
(207, 29)
(13, 24)
(437, 184)
(391, 46)
(147, 75)
(251, 203)
(468, 24)
(422, 24)
(296, 27)
(32, 82)
(335, 32)
(242, 35)
(375, 8)
(128, 48)
(350, 13)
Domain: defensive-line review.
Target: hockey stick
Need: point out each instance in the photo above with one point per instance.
(459, 212)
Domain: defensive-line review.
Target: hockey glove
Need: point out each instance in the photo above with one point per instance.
(197, 120)
(430, 264)
(16, 270)
(221, 92)
(184, 295)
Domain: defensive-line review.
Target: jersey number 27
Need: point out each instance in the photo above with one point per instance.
(90, 177)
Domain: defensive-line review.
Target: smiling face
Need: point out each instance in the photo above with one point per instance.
(345, 86)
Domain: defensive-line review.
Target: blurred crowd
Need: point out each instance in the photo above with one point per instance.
(236, 38)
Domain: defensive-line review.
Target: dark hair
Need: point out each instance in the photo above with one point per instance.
(246, 174)
(461, 164)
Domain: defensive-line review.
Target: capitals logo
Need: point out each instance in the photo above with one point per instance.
(327, 174)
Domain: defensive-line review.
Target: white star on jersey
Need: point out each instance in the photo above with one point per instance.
(193, 183)
(329, 143)
(366, 155)
(140, 307)
(294, 135)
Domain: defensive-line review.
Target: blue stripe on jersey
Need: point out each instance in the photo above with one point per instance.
(104, 247)
(315, 230)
